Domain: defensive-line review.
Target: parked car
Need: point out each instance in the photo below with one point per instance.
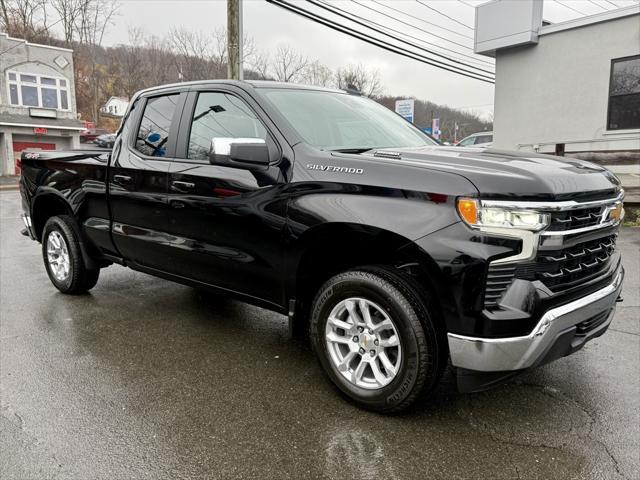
(105, 141)
(90, 134)
(480, 139)
(394, 254)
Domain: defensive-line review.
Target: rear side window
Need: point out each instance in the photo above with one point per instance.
(153, 135)
(484, 139)
(221, 115)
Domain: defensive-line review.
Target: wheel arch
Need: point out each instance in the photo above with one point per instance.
(331, 248)
(47, 204)
(50, 203)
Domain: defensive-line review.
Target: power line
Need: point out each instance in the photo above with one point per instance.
(424, 21)
(444, 15)
(469, 57)
(449, 59)
(430, 23)
(618, 6)
(373, 41)
(598, 5)
(570, 8)
(408, 24)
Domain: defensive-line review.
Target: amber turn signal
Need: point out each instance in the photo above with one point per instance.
(617, 212)
(468, 210)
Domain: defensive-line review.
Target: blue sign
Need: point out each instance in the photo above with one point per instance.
(427, 130)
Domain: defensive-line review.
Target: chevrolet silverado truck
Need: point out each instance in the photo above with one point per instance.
(396, 255)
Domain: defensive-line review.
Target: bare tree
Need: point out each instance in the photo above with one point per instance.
(92, 21)
(318, 74)
(259, 64)
(219, 52)
(289, 65)
(131, 63)
(362, 79)
(5, 15)
(156, 53)
(25, 19)
(199, 55)
(68, 11)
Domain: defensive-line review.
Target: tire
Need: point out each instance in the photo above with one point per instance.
(76, 278)
(415, 365)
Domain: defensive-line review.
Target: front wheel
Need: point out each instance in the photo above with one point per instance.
(376, 338)
(63, 257)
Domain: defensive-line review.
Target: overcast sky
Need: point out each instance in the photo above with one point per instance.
(271, 26)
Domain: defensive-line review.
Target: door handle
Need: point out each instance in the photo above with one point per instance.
(122, 179)
(182, 187)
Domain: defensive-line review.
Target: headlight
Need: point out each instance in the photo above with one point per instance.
(476, 215)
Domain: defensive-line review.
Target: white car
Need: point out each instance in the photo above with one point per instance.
(480, 139)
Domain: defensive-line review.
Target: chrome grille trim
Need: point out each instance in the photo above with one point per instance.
(552, 206)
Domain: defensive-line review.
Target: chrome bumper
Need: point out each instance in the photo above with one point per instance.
(517, 353)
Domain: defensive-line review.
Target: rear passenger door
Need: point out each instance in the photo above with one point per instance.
(138, 177)
(227, 222)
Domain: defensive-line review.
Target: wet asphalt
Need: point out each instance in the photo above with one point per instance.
(147, 379)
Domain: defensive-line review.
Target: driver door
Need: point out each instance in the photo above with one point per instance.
(226, 223)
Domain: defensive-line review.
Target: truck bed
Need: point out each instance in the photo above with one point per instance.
(69, 155)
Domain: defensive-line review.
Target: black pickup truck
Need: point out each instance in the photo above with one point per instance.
(396, 255)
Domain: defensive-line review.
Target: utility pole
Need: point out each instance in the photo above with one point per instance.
(234, 39)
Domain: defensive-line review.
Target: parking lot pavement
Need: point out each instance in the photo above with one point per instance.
(144, 378)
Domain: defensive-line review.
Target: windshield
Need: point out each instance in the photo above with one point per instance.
(338, 121)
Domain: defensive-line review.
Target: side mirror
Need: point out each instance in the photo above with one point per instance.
(248, 153)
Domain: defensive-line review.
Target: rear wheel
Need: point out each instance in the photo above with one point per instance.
(63, 257)
(376, 339)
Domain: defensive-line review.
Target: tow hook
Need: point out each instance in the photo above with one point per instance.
(619, 299)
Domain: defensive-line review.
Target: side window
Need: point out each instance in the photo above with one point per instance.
(154, 131)
(467, 141)
(484, 139)
(221, 115)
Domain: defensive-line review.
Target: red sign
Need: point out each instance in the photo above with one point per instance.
(40, 131)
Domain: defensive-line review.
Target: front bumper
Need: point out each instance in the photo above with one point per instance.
(548, 340)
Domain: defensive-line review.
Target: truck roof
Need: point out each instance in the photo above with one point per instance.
(253, 83)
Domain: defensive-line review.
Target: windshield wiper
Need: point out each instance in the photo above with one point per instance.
(353, 150)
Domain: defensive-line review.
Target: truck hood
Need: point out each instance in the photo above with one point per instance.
(502, 173)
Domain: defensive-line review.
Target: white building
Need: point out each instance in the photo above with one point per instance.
(37, 100)
(115, 107)
(567, 87)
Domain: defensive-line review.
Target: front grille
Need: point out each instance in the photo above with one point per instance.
(574, 219)
(562, 269)
(576, 248)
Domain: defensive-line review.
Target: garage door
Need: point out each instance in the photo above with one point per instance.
(18, 147)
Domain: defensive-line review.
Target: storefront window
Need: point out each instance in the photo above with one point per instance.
(30, 90)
